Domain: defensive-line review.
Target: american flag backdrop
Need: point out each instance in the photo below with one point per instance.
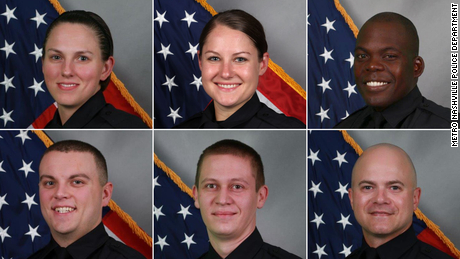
(178, 90)
(24, 98)
(179, 230)
(23, 230)
(332, 92)
(332, 228)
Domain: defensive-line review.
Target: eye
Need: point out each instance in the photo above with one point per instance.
(48, 183)
(77, 182)
(213, 59)
(82, 58)
(210, 186)
(360, 56)
(55, 57)
(390, 56)
(395, 188)
(240, 59)
(237, 187)
(367, 187)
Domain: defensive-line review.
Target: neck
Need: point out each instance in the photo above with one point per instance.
(66, 112)
(224, 246)
(223, 112)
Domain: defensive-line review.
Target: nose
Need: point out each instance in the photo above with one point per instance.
(226, 70)
(67, 68)
(381, 196)
(61, 192)
(223, 197)
(374, 64)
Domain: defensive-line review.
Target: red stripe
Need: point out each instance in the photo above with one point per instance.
(283, 95)
(429, 237)
(122, 230)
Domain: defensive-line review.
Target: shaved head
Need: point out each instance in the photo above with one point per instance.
(386, 154)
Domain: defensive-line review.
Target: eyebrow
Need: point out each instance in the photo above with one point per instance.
(234, 54)
(231, 180)
(387, 183)
(78, 52)
(71, 177)
(384, 50)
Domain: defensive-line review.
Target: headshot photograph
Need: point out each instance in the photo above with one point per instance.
(407, 87)
(72, 63)
(221, 73)
(392, 201)
(77, 196)
(232, 208)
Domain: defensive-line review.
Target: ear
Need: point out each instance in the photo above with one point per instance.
(262, 195)
(419, 66)
(417, 193)
(106, 193)
(199, 58)
(195, 196)
(264, 63)
(350, 196)
(107, 69)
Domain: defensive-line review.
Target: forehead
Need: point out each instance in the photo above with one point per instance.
(382, 166)
(226, 167)
(58, 163)
(75, 33)
(380, 35)
(225, 37)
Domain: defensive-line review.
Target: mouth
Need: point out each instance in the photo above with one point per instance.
(67, 86)
(223, 214)
(376, 83)
(376, 86)
(380, 213)
(63, 210)
(227, 86)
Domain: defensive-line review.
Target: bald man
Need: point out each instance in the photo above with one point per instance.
(387, 67)
(384, 195)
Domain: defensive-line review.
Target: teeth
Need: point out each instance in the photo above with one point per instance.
(228, 86)
(373, 83)
(68, 85)
(64, 209)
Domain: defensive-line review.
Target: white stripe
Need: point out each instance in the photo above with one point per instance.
(267, 102)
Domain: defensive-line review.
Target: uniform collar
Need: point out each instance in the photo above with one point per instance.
(247, 249)
(396, 247)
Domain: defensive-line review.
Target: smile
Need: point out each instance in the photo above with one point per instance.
(64, 209)
(228, 86)
(375, 83)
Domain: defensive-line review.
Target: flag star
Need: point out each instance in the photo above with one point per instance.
(189, 240)
(313, 156)
(26, 168)
(329, 25)
(39, 18)
(189, 18)
(170, 82)
(192, 50)
(161, 242)
(340, 158)
(161, 18)
(346, 115)
(8, 48)
(350, 89)
(9, 14)
(157, 212)
(346, 250)
(315, 188)
(327, 55)
(174, 114)
(342, 189)
(197, 82)
(308, 16)
(7, 82)
(23, 135)
(37, 53)
(320, 251)
(351, 59)
(3, 201)
(325, 84)
(33, 232)
(37, 87)
(155, 182)
(29, 201)
(344, 221)
(323, 114)
(1, 169)
(6, 117)
(165, 51)
(4, 233)
(184, 211)
(318, 220)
